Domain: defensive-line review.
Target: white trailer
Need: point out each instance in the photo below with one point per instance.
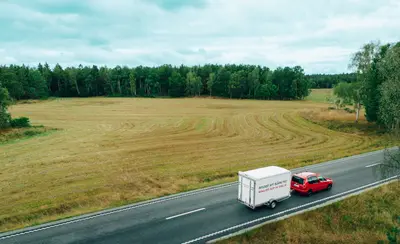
(264, 186)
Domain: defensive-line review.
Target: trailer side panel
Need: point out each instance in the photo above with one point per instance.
(272, 188)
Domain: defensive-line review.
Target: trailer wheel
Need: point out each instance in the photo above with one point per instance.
(272, 204)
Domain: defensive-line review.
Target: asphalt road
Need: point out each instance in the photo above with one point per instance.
(198, 216)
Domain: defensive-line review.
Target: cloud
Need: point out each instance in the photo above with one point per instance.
(318, 35)
(178, 4)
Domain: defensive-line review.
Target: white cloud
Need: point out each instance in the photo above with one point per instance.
(318, 35)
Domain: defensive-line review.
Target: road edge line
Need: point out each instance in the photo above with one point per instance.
(329, 202)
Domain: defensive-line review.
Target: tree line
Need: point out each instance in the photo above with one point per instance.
(377, 86)
(330, 80)
(233, 81)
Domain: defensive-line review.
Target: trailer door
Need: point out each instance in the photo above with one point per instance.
(245, 192)
(240, 186)
(252, 195)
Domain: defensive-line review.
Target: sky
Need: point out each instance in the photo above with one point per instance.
(318, 35)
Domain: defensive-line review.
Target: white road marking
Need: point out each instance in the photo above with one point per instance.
(288, 210)
(182, 214)
(372, 165)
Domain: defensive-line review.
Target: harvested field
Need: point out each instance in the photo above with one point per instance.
(111, 151)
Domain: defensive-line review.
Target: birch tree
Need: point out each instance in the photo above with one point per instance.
(351, 94)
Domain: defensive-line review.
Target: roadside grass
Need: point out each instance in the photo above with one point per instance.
(364, 218)
(113, 151)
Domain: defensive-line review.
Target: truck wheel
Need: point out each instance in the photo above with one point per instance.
(273, 204)
(309, 193)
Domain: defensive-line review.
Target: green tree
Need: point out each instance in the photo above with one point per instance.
(72, 76)
(373, 81)
(10, 81)
(116, 76)
(234, 84)
(330, 80)
(4, 102)
(164, 71)
(256, 81)
(301, 84)
(210, 82)
(357, 96)
(132, 82)
(37, 85)
(177, 85)
(291, 83)
(220, 87)
(267, 91)
(351, 94)
(95, 82)
(389, 109)
(105, 78)
(48, 76)
(362, 61)
(59, 81)
(253, 80)
(342, 91)
(193, 84)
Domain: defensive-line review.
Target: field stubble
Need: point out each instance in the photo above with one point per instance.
(111, 151)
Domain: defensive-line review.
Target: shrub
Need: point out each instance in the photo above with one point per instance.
(4, 119)
(20, 122)
(349, 110)
(31, 133)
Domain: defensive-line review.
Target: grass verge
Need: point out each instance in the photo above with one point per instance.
(365, 218)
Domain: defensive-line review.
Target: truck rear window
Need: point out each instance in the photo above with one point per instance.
(298, 180)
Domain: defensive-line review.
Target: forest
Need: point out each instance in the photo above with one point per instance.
(233, 81)
(330, 80)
